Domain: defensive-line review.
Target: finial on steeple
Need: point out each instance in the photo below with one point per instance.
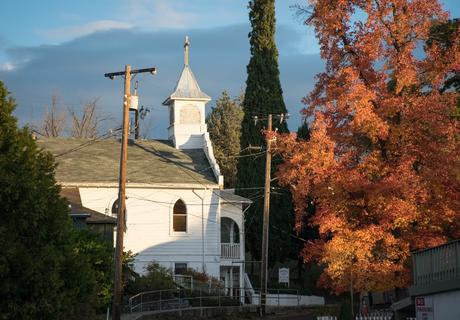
(186, 45)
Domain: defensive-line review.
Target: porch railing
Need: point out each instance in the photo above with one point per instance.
(230, 250)
(437, 264)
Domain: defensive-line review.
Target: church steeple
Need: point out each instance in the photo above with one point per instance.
(187, 108)
(186, 45)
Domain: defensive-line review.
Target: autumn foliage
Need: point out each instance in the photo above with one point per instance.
(383, 162)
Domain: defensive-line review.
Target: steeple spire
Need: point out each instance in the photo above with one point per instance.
(186, 45)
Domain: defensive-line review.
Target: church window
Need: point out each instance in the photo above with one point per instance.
(115, 210)
(180, 217)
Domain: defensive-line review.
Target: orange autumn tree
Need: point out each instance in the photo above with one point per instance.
(382, 163)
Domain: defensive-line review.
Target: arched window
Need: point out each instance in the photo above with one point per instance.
(115, 209)
(180, 217)
(229, 231)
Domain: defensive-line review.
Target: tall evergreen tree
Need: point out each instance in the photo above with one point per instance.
(42, 276)
(442, 35)
(303, 132)
(224, 126)
(263, 96)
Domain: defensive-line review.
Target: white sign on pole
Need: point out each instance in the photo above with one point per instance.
(283, 275)
(424, 308)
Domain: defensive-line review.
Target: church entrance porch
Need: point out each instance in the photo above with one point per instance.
(232, 281)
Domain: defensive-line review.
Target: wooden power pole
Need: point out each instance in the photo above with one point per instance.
(268, 164)
(118, 281)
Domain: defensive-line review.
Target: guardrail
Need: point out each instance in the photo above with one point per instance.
(181, 299)
(177, 299)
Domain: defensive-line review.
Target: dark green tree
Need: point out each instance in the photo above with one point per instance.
(303, 132)
(98, 254)
(263, 96)
(224, 127)
(444, 34)
(42, 276)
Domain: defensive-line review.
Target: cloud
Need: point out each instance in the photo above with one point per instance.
(157, 14)
(8, 66)
(64, 33)
(75, 70)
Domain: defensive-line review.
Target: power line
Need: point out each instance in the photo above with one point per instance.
(168, 204)
(106, 135)
(242, 155)
(185, 170)
(188, 213)
(290, 234)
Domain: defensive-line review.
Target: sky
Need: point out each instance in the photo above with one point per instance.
(64, 47)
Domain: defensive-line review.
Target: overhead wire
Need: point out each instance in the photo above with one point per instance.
(95, 140)
(258, 154)
(188, 213)
(188, 204)
(292, 235)
(180, 166)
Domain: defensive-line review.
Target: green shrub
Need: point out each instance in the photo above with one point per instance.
(156, 278)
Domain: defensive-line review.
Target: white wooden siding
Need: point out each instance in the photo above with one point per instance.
(149, 232)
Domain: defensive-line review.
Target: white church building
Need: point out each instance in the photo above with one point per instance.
(177, 211)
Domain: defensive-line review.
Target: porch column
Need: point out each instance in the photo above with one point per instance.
(242, 283)
(231, 281)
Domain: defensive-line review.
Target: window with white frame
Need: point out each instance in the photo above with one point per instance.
(180, 268)
(179, 216)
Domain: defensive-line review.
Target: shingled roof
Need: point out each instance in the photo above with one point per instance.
(150, 162)
(187, 88)
(76, 208)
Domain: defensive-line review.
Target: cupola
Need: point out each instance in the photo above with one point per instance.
(187, 109)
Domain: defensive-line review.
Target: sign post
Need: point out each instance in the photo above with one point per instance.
(283, 276)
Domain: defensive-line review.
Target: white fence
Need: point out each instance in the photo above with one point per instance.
(379, 315)
(287, 298)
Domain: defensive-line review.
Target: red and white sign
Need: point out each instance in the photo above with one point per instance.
(424, 308)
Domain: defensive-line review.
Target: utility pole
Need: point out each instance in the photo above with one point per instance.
(118, 285)
(266, 216)
(268, 165)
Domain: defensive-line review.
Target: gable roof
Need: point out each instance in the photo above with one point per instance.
(150, 163)
(77, 209)
(187, 88)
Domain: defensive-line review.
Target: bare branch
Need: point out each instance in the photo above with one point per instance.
(53, 121)
(88, 124)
